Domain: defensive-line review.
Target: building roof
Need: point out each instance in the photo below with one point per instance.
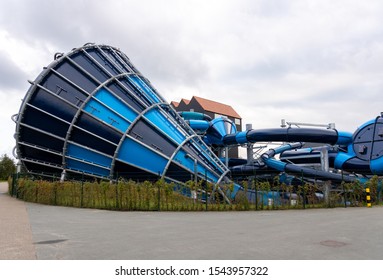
(216, 107)
(174, 104)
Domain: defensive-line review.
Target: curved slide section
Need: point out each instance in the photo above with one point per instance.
(361, 153)
(313, 135)
(187, 115)
(221, 131)
(364, 148)
(270, 161)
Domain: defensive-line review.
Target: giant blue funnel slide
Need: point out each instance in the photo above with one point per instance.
(91, 112)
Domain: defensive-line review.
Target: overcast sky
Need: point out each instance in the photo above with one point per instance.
(303, 61)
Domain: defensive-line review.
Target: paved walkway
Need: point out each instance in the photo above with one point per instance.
(34, 231)
(16, 242)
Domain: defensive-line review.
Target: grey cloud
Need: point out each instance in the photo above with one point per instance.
(150, 39)
(11, 76)
(274, 8)
(267, 8)
(269, 69)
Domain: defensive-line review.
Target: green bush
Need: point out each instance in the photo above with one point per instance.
(7, 167)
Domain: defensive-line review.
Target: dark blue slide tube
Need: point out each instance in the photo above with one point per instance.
(313, 135)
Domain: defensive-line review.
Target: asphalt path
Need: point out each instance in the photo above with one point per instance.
(52, 233)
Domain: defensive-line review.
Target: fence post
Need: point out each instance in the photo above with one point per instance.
(380, 190)
(159, 191)
(55, 194)
(18, 172)
(256, 192)
(14, 184)
(326, 191)
(82, 192)
(304, 191)
(206, 197)
(36, 193)
(304, 196)
(344, 192)
(117, 202)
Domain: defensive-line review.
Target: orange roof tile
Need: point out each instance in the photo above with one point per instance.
(216, 107)
(174, 104)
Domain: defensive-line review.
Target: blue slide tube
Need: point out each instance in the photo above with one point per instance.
(283, 135)
(270, 161)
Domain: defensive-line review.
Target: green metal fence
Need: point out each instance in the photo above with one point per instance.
(128, 195)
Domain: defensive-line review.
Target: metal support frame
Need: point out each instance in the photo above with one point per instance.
(284, 123)
(249, 146)
(175, 153)
(324, 158)
(195, 167)
(216, 186)
(325, 167)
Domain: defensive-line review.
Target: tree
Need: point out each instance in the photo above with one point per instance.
(7, 167)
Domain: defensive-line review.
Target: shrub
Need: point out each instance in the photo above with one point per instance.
(7, 167)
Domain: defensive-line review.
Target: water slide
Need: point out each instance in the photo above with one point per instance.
(361, 152)
(91, 113)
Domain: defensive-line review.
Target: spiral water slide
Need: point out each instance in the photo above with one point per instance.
(267, 164)
(360, 152)
(92, 113)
